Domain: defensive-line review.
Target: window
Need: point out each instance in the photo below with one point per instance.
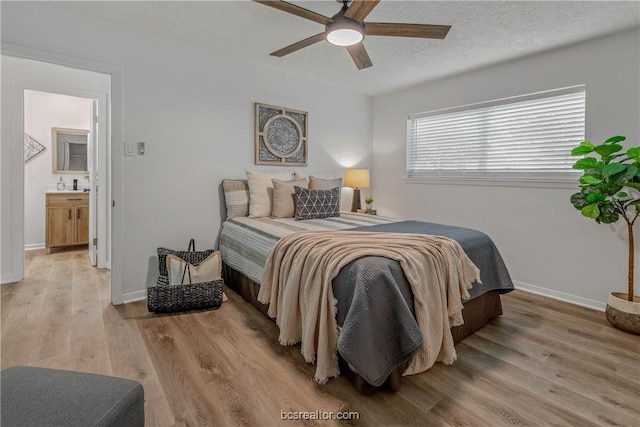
(527, 137)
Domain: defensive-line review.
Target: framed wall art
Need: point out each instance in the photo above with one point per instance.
(280, 136)
(31, 148)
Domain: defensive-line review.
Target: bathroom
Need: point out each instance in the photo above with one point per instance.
(57, 155)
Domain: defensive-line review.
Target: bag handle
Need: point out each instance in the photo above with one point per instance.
(190, 248)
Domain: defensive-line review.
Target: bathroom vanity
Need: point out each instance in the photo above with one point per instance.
(67, 219)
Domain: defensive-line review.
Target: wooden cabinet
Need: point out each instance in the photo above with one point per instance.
(82, 224)
(67, 220)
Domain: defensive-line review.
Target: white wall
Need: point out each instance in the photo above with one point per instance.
(547, 245)
(43, 111)
(194, 110)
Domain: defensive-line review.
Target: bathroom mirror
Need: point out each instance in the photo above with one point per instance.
(69, 150)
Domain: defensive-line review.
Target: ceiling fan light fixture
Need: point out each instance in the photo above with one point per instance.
(344, 32)
(347, 28)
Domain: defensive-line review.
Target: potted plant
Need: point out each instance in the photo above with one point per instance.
(609, 191)
(368, 200)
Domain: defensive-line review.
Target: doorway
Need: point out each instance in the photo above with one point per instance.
(61, 148)
(20, 75)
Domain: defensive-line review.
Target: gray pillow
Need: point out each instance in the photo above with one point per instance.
(284, 205)
(324, 184)
(312, 204)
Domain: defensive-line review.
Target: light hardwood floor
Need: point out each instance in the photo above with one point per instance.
(543, 363)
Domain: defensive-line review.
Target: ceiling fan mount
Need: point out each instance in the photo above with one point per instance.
(347, 28)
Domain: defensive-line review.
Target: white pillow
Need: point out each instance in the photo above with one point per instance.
(208, 270)
(261, 191)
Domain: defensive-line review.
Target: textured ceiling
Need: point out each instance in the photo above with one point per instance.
(482, 33)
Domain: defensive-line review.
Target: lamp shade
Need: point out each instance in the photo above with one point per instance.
(356, 178)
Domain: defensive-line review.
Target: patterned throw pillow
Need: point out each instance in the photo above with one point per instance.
(236, 196)
(311, 204)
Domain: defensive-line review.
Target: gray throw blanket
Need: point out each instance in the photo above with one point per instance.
(379, 329)
(375, 302)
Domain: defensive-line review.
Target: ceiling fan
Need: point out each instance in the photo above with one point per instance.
(347, 28)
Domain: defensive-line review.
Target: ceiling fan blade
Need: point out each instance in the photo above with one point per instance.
(359, 9)
(296, 10)
(299, 45)
(360, 56)
(406, 30)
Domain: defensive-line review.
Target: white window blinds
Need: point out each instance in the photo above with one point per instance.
(520, 138)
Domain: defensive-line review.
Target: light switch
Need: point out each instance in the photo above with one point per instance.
(129, 149)
(141, 148)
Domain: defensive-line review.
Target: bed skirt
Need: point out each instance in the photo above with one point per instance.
(477, 312)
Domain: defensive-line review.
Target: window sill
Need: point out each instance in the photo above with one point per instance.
(496, 182)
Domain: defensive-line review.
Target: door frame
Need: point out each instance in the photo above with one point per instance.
(114, 167)
(92, 165)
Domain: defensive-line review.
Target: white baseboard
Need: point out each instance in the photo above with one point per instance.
(6, 278)
(562, 296)
(134, 296)
(34, 246)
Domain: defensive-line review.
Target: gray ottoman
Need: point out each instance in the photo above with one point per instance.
(51, 397)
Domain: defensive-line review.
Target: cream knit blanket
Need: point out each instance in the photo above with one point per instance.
(296, 284)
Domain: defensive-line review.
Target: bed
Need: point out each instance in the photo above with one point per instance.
(245, 244)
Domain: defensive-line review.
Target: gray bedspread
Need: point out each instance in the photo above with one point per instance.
(375, 301)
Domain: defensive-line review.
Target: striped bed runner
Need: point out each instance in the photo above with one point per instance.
(245, 242)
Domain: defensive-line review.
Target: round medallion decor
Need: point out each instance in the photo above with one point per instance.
(282, 136)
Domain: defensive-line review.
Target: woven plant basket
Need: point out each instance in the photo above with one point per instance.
(194, 296)
(623, 314)
(165, 298)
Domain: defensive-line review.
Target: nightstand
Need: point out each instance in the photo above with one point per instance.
(368, 212)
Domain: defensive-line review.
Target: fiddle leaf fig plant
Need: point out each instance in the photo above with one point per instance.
(610, 187)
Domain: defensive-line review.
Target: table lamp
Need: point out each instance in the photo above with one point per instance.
(356, 179)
